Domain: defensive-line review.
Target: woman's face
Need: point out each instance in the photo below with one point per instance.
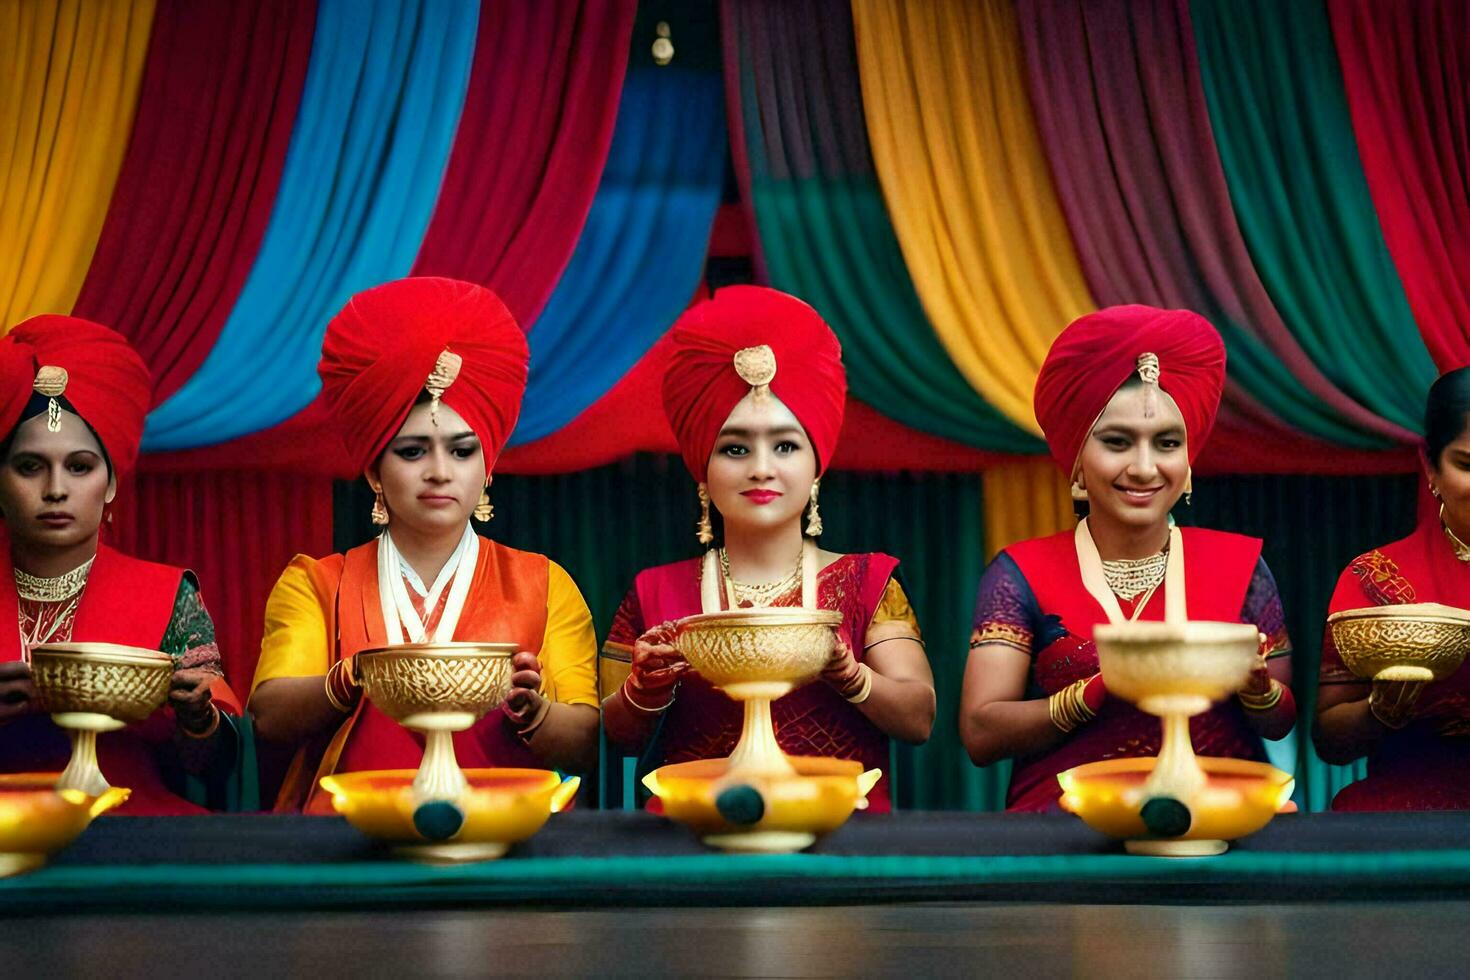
(1451, 478)
(431, 476)
(763, 465)
(1134, 467)
(54, 486)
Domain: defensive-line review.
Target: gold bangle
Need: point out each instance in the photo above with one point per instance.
(1068, 708)
(1262, 702)
(867, 686)
(638, 707)
(213, 725)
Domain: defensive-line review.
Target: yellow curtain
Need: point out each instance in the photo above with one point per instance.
(1025, 499)
(69, 75)
(968, 187)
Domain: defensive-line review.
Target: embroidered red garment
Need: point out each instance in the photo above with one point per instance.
(381, 347)
(1221, 573)
(1092, 358)
(702, 385)
(1426, 766)
(813, 720)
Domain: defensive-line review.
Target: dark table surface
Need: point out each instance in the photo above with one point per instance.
(592, 858)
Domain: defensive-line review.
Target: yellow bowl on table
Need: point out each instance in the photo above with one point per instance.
(1419, 641)
(37, 819)
(781, 814)
(501, 807)
(1239, 798)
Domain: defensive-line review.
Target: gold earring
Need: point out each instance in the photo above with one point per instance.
(1189, 488)
(705, 529)
(814, 516)
(1434, 492)
(1079, 492)
(484, 510)
(380, 508)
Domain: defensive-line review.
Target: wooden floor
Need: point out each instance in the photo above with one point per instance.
(1413, 939)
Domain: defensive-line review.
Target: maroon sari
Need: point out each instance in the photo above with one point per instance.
(1425, 766)
(815, 720)
(1032, 598)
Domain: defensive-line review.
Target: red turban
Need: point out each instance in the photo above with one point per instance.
(1098, 352)
(743, 337)
(84, 365)
(381, 349)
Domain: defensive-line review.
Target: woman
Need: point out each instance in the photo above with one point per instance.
(424, 377)
(1414, 735)
(754, 393)
(1126, 398)
(72, 400)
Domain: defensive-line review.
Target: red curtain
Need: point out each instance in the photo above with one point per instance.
(537, 123)
(215, 111)
(1406, 67)
(236, 531)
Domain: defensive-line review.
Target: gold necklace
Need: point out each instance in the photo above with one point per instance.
(1130, 577)
(59, 589)
(1462, 550)
(764, 593)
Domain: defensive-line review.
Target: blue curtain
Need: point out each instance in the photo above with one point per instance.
(641, 253)
(382, 101)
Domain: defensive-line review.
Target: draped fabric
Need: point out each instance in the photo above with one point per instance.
(67, 98)
(377, 119)
(1024, 500)
(1406, 67)
(801, 153)
(968, 188)
(1121, 110)
(215, 111)
(527, 157)
(1285, 139)
(641, 253)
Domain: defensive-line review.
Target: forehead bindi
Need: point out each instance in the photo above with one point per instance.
(34, 438)
(1128, 411)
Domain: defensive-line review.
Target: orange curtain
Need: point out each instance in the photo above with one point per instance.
(1022, 500)
(69, 74)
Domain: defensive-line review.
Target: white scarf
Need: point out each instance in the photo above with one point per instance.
(401, 621)
(1096, 583)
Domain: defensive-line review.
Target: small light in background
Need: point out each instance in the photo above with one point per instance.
(663, 48)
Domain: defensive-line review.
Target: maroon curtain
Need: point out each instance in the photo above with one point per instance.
(537, 123)
(236, 531)
(215, 112)
(1406, 66)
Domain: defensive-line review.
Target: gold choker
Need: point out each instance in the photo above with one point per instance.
(766, 592)
(1132, 577)
(34, 588)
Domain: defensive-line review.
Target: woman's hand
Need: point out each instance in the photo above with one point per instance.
(525, 708)
(1258, 681)
(16, 690)
(188, 693)
(655, 669)
(843, 673)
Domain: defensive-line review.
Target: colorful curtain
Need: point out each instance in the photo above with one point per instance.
(968, 187)
(373, 134)
(215, 110)
(1407, 71)
(1285, 138)
(801, 153)
(536, 127)
(1119, 103)
(67, 98)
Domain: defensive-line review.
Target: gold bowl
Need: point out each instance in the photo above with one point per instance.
(759, 653)
(1168, 668)
(1239, 798)
(1421, 641)
(436, 678)
(754, 814)
(123, 683)
(500, 807)
(37, 819)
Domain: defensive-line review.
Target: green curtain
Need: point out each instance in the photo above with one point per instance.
(1285, 137)
(823, 227)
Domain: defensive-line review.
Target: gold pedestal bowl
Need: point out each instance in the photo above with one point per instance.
(759, 799)
(1416, 642)
(37, 819)
(499, 807)
(90, 688)
(1176, 804)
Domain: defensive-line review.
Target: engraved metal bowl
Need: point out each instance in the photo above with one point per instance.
(432, 678)
(759, 652)
(1419, 641)
(121, 682)
(1176, 667)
